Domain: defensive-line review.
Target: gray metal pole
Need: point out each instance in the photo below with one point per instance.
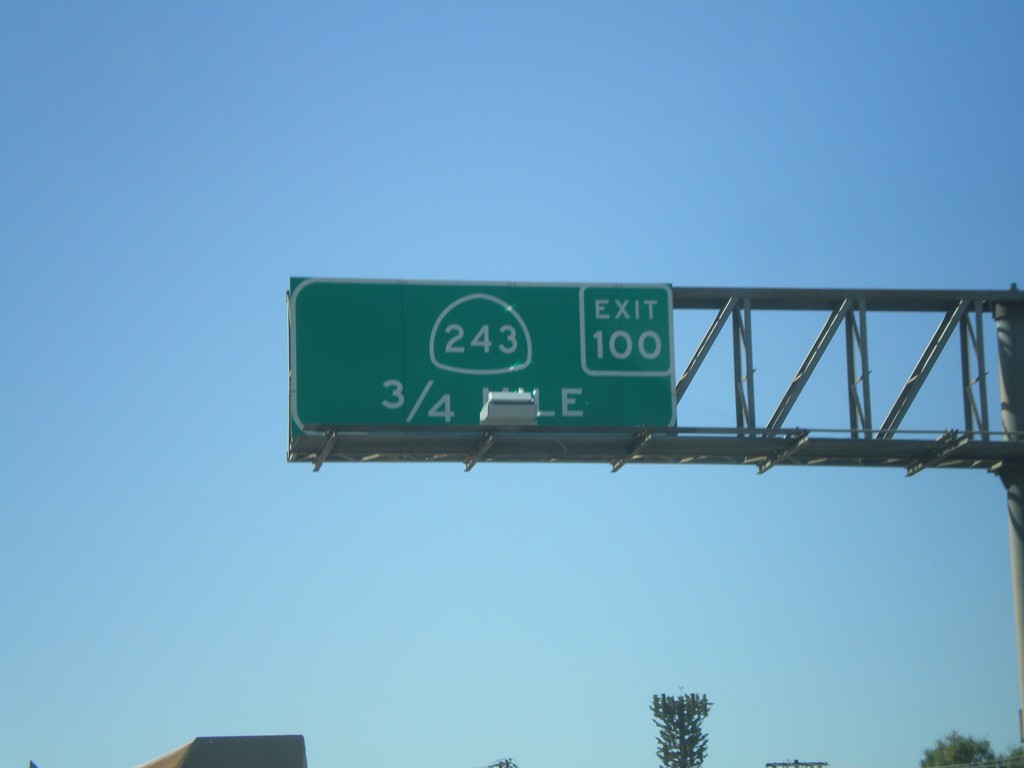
(1010, 334)
(1015, 502)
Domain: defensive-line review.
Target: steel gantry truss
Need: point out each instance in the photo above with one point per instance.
(966, 445)
(963, 440)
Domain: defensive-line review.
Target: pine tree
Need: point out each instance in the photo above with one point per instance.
(682, 742)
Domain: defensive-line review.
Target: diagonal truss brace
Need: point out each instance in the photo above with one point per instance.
(807, 368)
(924, 366)
(739, 311)
(705, 346)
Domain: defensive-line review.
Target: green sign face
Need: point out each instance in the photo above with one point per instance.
(396, 353)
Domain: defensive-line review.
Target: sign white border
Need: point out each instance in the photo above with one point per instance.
(292, 296)
(668, 371)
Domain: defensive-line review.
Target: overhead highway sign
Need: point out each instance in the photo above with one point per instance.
(412, 354)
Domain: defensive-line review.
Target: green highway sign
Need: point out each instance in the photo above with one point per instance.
(412, 353)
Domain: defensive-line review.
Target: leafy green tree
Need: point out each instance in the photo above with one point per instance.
(1014, 757)
(682, 742)
(957, 749)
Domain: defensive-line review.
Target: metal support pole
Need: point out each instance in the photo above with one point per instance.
(1015, 505)
(1010, 334)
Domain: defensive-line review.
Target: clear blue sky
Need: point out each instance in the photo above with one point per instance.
(165, 574)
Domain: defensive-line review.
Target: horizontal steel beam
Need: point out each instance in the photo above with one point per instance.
(617, 448)
(827, 299)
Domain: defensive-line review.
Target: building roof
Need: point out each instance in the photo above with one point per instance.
(235, 752)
